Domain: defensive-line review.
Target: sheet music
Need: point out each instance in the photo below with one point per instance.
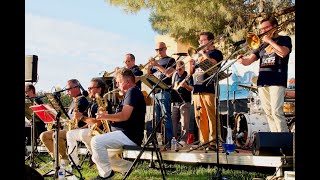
(57, 105)
(150, 80)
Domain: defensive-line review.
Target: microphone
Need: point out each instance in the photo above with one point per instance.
(239, 42)
(180, 54)
(84, 92)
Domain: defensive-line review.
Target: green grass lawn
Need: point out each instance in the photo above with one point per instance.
(174, 170)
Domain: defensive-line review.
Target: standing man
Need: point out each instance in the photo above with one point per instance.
(163, 70)
(127, 126)
(204, 94)
(273, 72)
(130, 64)
(48, 137)
(181, 110)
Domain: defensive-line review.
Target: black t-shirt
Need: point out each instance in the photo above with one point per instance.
(137, 72)
(165, 62)
(83, 104)
(199, 76)
(133, 128)
(273, 69)
(184, 93)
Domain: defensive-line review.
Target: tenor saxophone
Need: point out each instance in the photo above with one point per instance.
(102, 105)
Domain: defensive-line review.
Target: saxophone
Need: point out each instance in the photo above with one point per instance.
(102, 105)
(73, 123)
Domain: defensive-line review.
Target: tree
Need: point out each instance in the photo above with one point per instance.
(184, 20)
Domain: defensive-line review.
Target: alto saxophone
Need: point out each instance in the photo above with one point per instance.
(102, 105)
(73, 123)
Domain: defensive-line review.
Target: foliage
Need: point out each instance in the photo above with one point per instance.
(183, 20)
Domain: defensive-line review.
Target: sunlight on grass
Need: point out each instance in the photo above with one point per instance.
(174, 171)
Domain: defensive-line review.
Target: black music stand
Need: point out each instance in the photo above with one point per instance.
(153, 140)
(153, 82)
(34, 145)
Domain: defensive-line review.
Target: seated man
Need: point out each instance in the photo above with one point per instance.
(127, 126)
(83, 134)
(48, 136)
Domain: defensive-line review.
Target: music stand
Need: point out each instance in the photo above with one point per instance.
(153, 82)
(30, 116)
(151, 139)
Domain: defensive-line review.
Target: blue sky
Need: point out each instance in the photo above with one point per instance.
(82, 38)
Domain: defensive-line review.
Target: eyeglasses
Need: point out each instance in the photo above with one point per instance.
(160, 49)
(264, 28)
(89, 88)
(179, 69)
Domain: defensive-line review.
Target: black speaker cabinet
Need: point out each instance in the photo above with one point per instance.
(273, 144)
(30, 69)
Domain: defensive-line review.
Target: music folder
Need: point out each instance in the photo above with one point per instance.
(150, 80)
(44, 112)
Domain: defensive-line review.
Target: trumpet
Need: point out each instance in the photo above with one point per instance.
(151, 59)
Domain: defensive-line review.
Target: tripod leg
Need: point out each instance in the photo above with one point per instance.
(160, 160)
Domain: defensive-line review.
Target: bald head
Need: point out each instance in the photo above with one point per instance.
(161, 49)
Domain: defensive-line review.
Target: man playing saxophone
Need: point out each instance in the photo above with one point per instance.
(83, 134)
(126, 128)
(48, 136)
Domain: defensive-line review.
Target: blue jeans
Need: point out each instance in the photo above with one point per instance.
(163, 100)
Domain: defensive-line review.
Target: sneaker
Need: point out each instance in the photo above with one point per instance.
(101, 178)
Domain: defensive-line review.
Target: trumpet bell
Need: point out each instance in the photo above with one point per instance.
(253, 40)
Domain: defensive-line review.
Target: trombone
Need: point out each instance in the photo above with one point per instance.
(253, 41)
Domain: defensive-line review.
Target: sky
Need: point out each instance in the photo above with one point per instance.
(82, 39)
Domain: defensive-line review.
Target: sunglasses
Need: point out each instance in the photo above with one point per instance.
(89, 88)
(160, 49)
(179, 69)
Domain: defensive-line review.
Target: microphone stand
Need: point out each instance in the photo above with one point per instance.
(216, 76)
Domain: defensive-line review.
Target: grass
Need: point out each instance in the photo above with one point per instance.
(174, 170)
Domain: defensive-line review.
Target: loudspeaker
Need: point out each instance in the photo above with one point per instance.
(32, 174)
(273, 144)
(31, 66)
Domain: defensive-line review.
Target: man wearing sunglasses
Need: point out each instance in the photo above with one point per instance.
(163, 69)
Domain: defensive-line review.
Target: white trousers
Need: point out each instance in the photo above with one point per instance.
(104, 154)
(75, 135)
(272, 100)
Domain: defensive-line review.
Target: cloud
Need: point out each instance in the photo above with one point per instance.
(70, 50)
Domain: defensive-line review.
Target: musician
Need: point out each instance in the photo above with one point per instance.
(83, 134)
(273, 72)
(30, 92)
(163, 69)
(127, 126)
(181, 110)
(48, 136)
(130, 64)
(204, 94)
